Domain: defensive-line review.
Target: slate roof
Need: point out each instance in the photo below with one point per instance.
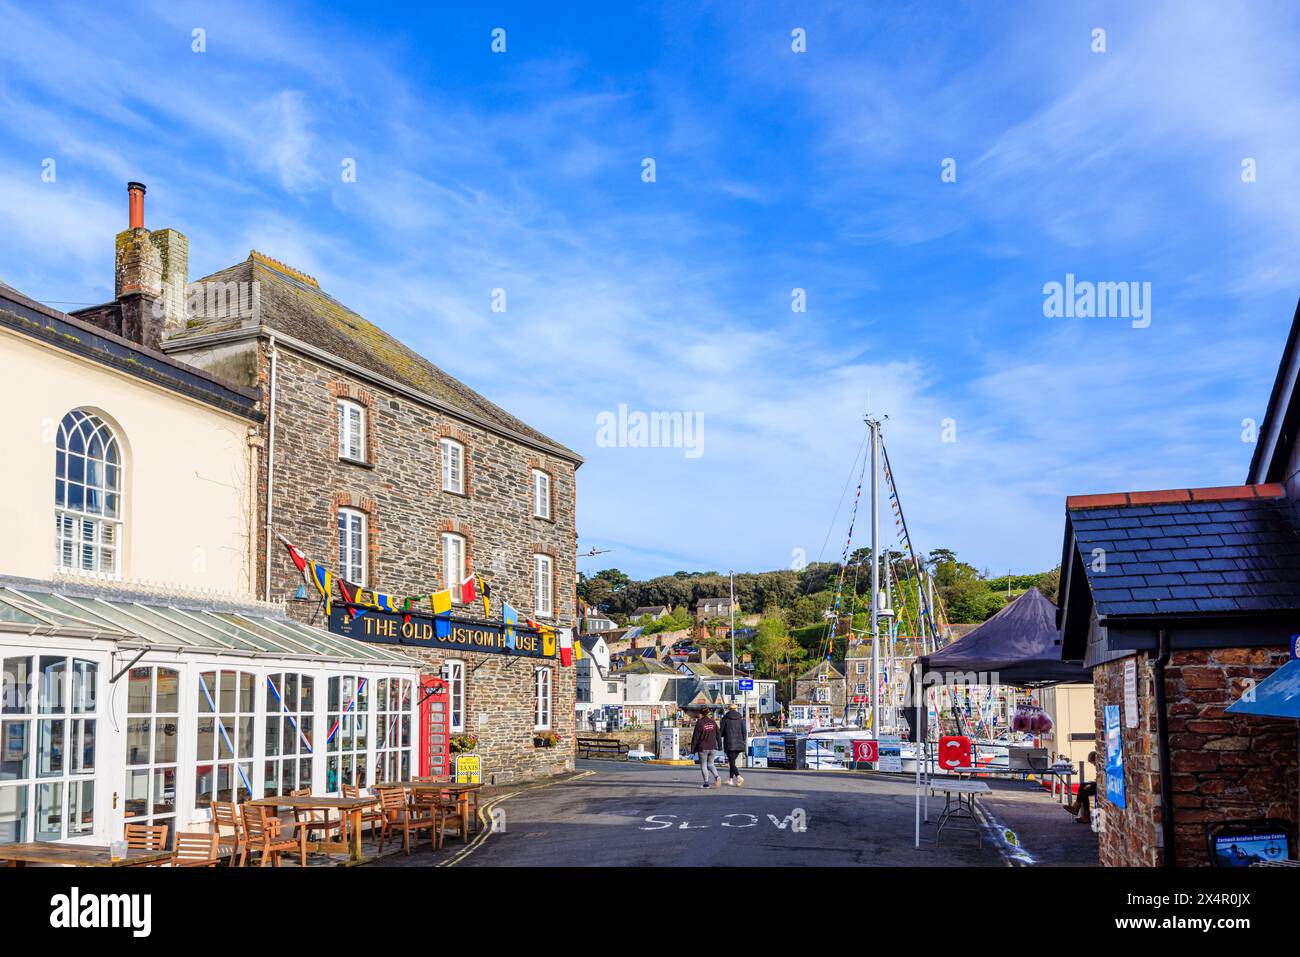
(293, 303)
(1189, 551)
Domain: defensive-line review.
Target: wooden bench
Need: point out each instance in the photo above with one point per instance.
(602, 747)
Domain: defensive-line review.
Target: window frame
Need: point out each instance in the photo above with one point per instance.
(542, 477)
(455, 694)
(543, 692)
(543, 609)
(108, 521)
(453, 577)
(238, 760)
(445, 446)
(303, 723)
(346, 545)
(345, 407)
(151, 766)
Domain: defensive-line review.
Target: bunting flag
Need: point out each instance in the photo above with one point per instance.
(351, 594)
(408, 607)
(566, 647)
(313, 573)
(577, 650)
(509, 618)
(383, 602)
(468, 591)
(323, 579)
(441, 602)
(486, 591)
(548, 642)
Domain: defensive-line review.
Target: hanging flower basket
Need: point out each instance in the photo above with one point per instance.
(463, 743)
(546, 739)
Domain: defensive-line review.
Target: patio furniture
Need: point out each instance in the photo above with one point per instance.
(442, 808)
(263, 835)
(228, 828)
(76, 855)
(147, 837)
(465, 794)
(195, 849)
(349, 807)
(399, 812)
(322, 820)
(370, 816)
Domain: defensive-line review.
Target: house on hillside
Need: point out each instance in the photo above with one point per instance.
(653, 612)
(714, 608)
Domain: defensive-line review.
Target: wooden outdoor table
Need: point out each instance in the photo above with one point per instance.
(350, 806)
(76, 855)
(461, 792)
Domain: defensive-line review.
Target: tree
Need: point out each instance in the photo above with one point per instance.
(773, 645)
(1049, 583)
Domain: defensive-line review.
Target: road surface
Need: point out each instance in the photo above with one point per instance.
(630, 814)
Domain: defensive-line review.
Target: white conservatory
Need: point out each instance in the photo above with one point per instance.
(117, 710)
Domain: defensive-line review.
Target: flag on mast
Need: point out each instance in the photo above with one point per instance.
(566, 647)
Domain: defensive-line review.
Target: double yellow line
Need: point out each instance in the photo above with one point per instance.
(485, 829)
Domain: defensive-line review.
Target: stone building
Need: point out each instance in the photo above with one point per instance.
(399, 478)
(819, 696)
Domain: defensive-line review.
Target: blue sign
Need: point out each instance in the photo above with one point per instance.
(746, 684)
(1114, 757)
(1295, 646)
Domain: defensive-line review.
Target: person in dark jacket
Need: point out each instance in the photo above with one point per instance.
(733, 742)
(706, 741)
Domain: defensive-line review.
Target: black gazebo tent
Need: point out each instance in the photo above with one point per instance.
(1020, 645)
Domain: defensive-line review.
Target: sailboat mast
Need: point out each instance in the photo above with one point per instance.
(874, 425)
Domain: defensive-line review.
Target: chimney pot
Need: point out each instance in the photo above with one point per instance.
(135, 192)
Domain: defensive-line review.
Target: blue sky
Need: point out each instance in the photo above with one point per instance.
(775, 170)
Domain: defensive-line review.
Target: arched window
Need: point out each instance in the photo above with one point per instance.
(88, 495)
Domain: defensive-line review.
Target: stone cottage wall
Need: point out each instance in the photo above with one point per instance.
(399, 489)
(1223, 767)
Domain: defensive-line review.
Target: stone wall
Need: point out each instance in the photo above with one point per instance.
(399, 489)
(1223, 767)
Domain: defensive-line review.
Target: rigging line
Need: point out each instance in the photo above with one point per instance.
(844, 560)
(889, 475)
(847, 482)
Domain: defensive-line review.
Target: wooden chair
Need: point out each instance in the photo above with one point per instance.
(228, 827)
(397, 812)
(263, 836)
(372, 816)
(324, 821)
(442, 808)
(192, 849)
(147, 837)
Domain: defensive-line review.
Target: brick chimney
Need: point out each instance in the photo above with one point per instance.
(151, 273)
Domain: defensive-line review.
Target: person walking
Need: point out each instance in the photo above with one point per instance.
(733, 742)
(706, 741)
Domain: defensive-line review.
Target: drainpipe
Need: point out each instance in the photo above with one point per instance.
(270, 467)
(1162, 738)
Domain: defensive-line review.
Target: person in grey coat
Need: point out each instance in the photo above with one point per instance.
(733, 742)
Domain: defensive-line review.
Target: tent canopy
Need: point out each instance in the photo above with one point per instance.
(1020, 644)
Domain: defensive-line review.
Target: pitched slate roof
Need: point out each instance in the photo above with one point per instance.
(291, 302)
(1189, 551)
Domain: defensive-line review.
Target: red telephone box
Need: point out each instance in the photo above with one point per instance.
(435, 727)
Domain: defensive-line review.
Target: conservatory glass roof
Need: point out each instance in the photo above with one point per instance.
(135, 624)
